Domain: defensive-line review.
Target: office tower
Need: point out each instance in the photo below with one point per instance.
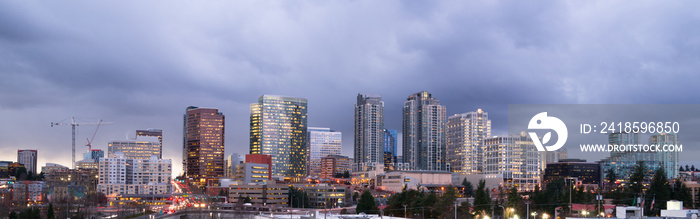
(121, 175)
(465, 141)
(153, 133)
(203, 145)
(424, 124)
(322, 142)
(28, 159)
(622, 163)
(230, 163)
(139, 148)
(278, 128)
(514, 158)
(390, 136)
(332, 165)
(369, 131)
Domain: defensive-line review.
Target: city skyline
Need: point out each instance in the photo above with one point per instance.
(142, 71)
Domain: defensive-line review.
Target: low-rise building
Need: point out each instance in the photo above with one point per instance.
(252, 173)
(263, 194)
(28, 191)
(321, 195)
(120, 176)
(52, 167)
(64, 184)
(395, 181)
(334, 164)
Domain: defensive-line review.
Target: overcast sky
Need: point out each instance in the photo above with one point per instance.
(140, 64)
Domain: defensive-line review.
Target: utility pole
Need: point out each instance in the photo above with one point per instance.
(528, 209)
(404, 211)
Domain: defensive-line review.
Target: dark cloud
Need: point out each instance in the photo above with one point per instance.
(140, 64)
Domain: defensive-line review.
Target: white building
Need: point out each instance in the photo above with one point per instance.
(252, 173)
(465, 141)
(322, 142)
(369, 132)
(515, 158)
(119, 175)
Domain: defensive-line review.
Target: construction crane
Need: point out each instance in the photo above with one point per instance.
(74, 124)
(89, 140)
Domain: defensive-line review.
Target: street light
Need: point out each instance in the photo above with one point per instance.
(545, 216)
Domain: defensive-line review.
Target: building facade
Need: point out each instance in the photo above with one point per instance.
(322, 142)
(369, 131)
(28, 159)
(465, 141)
(515, 158)
(203, 145)
(390, 139)
(120, 175)
(231, 161)
(424, 133)
(278, 128)
(622, 163)
(138, 148)
(582, 171)
(335, 164)
(269, 194)
(28, 191)
(153, 133)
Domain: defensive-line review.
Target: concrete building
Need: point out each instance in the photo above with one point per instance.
(252, 173)
(153, 133)
(231, 162)
(322, 142)
(203, 145)
(263, 194)
(424, 133)
(66, 184)
(395, 181)
(28, 191)
(515, 158)
(369, 132)
(325, 196)
(278, 128)
(585, 173)
(137, 148)
(465, 141)
(52, 167)
(28, 159)
(334, 164)
(119, 175)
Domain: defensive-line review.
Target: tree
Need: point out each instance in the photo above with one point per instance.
(346, 174)
(692, 168)
(682, 193)
(482, 199)
(50, 213)
(611, 177)
(468, 188)
(21, 173)
(681, 169)
(659, 191)
(366, 204)
(13, 215)
(445, 205)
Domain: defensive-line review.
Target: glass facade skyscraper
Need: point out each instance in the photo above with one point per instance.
(278, 128)
(369, 132)
(390, 137)
(424, 129)
(465, 141)
(322, 142)
(203, 145)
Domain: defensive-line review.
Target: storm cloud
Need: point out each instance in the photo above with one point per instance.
(140, 64)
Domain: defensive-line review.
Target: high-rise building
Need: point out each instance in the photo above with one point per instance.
(622, 138)
(369, 132)
(278, 128)
(203, 144)
(120, 175)
(153, 133)
(424, 129)
(28, 159)
(514, 158)
(465, 141)
(390, 137)
(622, 163)
(322, 142)
(140, 147)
